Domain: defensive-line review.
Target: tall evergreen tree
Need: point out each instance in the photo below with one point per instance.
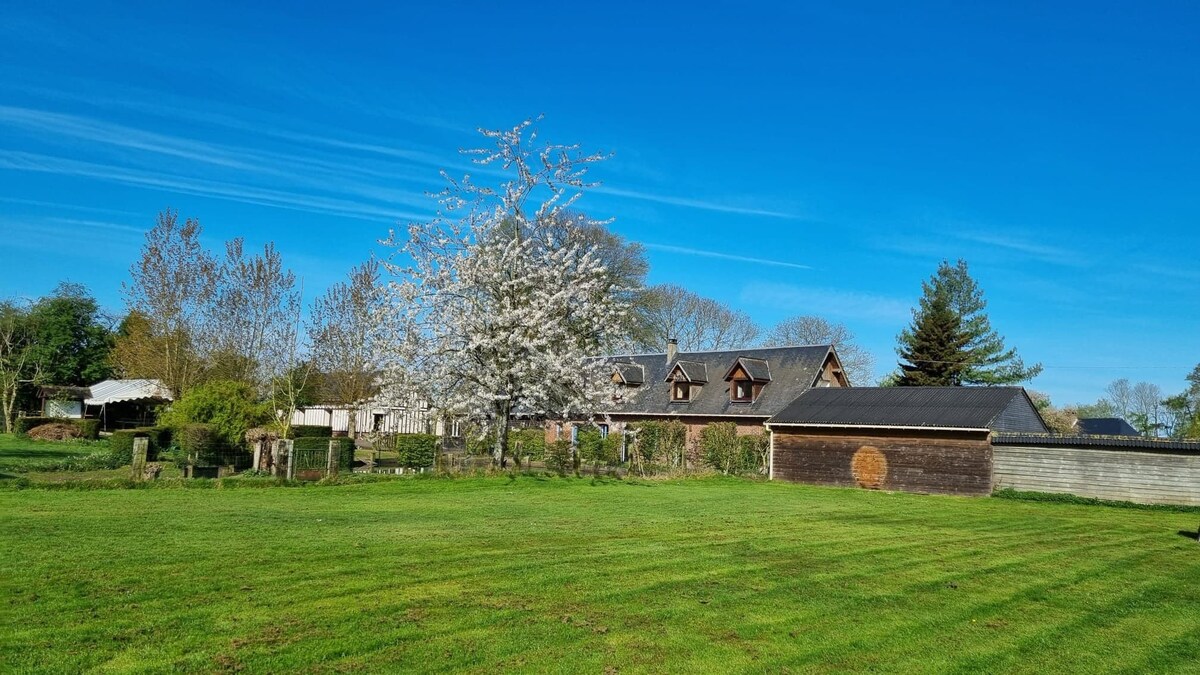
(935, 347)
(986, 359)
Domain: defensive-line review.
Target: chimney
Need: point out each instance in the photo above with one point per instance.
(672, 350)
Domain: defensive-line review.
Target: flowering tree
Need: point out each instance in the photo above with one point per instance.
(494, 314)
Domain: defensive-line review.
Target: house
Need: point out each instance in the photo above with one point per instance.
(375, 417)
(1105, 426)
(917, 439)
(744, 386)
(63, 401)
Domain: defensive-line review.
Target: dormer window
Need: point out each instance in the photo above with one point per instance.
(686, 379)
(746, 378)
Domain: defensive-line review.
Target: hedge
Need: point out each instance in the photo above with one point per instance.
(89, 429)
(310, 431)
(416, 451)
(345, 448)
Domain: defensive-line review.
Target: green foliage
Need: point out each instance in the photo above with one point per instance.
(319, 449)
(71, 343)
(952, 341)
(310, 431)
(724, 450)
(24, 424)
(88, 428)
(559, 458)
(755, 449)
(531, 442)
(227, 407)
(598, 450)
(660, 442)
(202, 444)
(1009, 493)
(416, 451)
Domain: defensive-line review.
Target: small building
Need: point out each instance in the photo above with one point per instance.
(124, 404)
(63, 401)
(917, 439)
(1105, 426)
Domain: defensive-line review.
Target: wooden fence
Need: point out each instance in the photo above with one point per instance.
(1123, 469)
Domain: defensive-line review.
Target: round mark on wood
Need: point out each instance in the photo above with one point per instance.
(869, 467)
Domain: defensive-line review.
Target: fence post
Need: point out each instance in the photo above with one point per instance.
(289, 449)
(258, 446)
(331, 462)
(140, 447)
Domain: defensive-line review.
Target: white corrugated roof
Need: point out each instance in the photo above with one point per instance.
(115, 391)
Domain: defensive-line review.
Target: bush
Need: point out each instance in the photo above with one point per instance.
(202, 444)
(310, 431)
(345, 449)
(727, 452)
(558, 457)
(226, 407)
(120, 444)
(531, 442)
(160, 437)
(598, 450)
(416, 451)
(89, 429)
(659, 442)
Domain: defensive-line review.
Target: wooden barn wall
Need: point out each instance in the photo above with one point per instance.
(1145, 477)
(946, 462)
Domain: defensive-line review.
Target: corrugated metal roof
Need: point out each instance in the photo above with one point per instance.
(1136, 443)
(914, 407)
(115, 391)
(792, 369)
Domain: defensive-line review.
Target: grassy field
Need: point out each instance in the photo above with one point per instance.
(20, 454)
(566, 575)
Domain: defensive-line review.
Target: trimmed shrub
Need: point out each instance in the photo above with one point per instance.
(531, 442)
(310, 431)
(312, 444)
(756, 449)
(416, 451)
(24, 424)
(725, 451)
(120, 444)
(89, 429)
(160, 437)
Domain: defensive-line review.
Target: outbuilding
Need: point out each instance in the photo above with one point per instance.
(917, 439)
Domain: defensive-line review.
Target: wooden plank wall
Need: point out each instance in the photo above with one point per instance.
(947, 463)
(1145, 477)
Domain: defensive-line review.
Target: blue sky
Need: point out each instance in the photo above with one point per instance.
(834, 151)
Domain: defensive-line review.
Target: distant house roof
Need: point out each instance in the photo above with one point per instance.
(791, 371)
(981, 408)
(64, 393)
(1105, 426)
(116, 391)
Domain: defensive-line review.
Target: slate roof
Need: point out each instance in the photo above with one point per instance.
(693, 371)
(793, 370)
(758, 370)
(991, 408)
(631, 373)
(1105, 426)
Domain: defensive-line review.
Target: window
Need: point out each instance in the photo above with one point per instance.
(681, 391)
(603, 430)
(742, 390)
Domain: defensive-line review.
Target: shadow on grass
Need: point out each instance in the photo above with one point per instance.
(1187, 534)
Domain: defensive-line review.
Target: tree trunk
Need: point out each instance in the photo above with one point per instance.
(351, 423)
(500, 450)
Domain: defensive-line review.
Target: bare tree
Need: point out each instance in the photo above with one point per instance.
(346, 331)
(858, 363)
(169, 297)
(699, 323)
(1120, 395)
(17, 362)
(254, 315)
(1146, 407)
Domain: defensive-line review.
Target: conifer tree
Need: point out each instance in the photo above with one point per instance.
(986, 360)
(934, 348)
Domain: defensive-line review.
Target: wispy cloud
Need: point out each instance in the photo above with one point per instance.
(692, 203)
(24, 161)
(826, 302)
(1033, 249)
(683, 250)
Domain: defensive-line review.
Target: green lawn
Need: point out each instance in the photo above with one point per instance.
(561, 575)
(19, 453)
